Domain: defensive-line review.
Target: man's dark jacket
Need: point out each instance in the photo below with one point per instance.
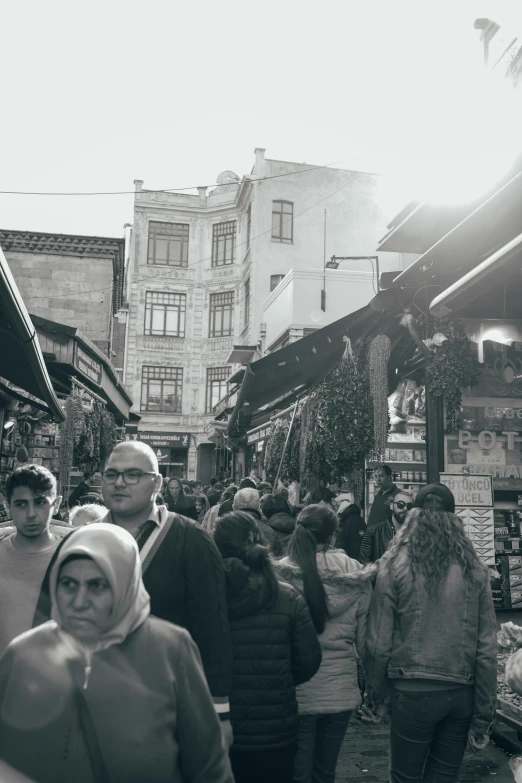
(376, 541)
(381, 510)
(186, 584)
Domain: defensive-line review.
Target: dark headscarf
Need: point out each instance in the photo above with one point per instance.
(445, 494)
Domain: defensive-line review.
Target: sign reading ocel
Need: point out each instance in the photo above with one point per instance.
(475, 490)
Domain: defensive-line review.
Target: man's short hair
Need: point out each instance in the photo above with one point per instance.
(402, 492)
(213, 481)
(218, 487)
(247, 483)
(384, 467)
(264, 485)
(39, 480)
(246, 498)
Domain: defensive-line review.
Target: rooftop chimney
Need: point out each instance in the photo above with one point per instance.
(202, 193)
(138, 184)
(260, 161)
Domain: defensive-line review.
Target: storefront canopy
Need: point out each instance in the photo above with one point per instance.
(21, 360)
(295, 368)
(491, 225)
(68, 352)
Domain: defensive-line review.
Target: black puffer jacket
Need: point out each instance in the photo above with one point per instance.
(284, 525)
(275, 648)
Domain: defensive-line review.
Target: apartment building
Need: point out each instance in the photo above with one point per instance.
(202, 267)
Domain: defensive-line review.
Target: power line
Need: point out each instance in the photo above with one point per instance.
(164, 190)
(161, 274)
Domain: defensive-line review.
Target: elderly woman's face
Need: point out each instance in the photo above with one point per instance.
(85, 600)
(433, 501)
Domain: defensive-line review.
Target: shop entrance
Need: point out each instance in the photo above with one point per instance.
(172, 462)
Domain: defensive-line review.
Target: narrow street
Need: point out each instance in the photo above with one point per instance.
(364, 759)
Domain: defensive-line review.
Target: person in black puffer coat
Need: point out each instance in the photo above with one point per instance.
(277, 511)
(351, 530)
(275, 648)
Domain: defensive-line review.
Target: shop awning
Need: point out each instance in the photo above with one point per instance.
(297, 367)
(21, 359)
(481, 280)
(69, 352)
(493, 223)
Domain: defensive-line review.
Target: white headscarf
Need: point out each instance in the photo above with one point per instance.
(116, 554)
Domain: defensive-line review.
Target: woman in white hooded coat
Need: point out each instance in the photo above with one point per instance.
(338, 592)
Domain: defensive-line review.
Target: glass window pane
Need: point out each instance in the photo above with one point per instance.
(175, 250)
(154, 395)
(288, 209)
(287, 228)
(276, 218)
(172, 321)
(158, 318)
(182, 323)
(161, 249)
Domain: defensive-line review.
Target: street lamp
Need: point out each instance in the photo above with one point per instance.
(334, 262)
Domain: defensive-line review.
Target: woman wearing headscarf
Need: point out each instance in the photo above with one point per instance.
(177, 501)
(104, 693)
(437, 497)
(432, 647)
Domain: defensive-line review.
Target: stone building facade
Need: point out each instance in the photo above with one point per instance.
(201, 267)
(73, 280)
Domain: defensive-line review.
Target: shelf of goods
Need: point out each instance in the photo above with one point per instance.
(507, 586)
(406, 455)
(509, 704)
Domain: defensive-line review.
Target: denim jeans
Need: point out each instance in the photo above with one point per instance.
(429, 732)
(318, 744)
(263, 766)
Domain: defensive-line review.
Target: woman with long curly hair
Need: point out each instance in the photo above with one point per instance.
(432, 648)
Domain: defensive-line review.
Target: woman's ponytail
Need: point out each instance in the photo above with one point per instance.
(315, 525)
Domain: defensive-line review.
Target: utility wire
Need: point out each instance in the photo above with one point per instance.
(208, 258)
(167, 190)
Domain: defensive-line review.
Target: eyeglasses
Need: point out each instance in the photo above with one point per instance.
(402, 505)
(128, 476)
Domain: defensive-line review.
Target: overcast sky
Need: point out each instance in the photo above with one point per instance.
(97, 94)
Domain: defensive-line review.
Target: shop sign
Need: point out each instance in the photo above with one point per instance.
(261, 434)
(87, 365)
(158, 440)
(474, 490)
(492, 417)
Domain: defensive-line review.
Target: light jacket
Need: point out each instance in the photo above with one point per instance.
(335, 687)
(449, 639)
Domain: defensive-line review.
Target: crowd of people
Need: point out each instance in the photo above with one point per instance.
(174, 632)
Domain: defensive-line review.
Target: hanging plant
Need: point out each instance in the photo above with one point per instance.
(275, 444)
(66, 444)
(378, 357)
(451, 367)
(291, 469)
(340, 423)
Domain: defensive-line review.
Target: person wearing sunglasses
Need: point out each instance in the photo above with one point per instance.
(378, 538)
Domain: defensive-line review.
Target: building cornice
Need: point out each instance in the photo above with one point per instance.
(43, 243)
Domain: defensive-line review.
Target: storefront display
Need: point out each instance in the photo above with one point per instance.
(474, 505)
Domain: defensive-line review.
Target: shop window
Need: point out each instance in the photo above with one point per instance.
(168, 243)
(217, 386)
(223, 243)
(275, 280)
(165, 314)
(283, 222)
(161, 389)
(221, 314)
(246, 318)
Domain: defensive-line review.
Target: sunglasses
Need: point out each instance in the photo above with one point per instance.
(402, 505)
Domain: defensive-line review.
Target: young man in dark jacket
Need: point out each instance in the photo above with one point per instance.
(351, 531)
(183, 571)
(386, 489)
(378, 538)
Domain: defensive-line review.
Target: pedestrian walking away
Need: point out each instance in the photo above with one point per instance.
(275, 649)
(432, 648)
(338, 591)
(182, 569)
(104, 693)
(351, 530)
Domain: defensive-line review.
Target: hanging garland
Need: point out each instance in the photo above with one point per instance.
(275, 444)
(340, 423)
(378, 357)
(451, 367)
(67, 429)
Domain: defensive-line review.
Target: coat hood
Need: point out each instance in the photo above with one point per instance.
(248, 592)
(282, 522)
(116, 554)
(341, 576)
(445, 494)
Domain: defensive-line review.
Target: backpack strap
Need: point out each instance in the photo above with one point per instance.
(154, 541)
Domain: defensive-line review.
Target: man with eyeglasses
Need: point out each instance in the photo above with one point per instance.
(378, 538)
(182, 568)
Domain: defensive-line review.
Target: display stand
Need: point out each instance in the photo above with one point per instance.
(473, 495)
